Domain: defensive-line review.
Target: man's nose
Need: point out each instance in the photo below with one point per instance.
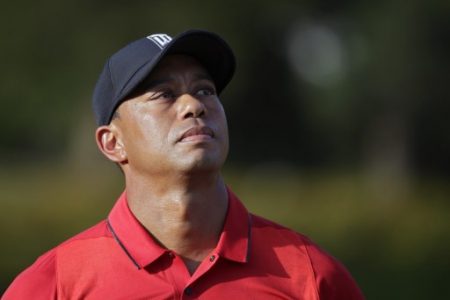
(190, 107)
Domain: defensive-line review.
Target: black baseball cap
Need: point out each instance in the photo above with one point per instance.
(129, 66)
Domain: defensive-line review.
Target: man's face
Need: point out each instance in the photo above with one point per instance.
(175, 122)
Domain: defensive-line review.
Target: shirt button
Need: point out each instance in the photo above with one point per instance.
(188, 291)
(212, 258)
(171, 255)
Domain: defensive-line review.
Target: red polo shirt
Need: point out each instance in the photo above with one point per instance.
(118, 259)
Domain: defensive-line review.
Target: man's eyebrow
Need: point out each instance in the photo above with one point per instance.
(203, 76)
(149, 84)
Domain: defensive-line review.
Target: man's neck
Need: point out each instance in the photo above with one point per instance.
(185, 215)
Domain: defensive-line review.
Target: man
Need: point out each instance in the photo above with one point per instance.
(177, 231)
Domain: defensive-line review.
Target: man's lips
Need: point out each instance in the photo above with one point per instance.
(197, 133)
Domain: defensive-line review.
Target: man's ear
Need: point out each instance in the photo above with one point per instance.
(110, 144)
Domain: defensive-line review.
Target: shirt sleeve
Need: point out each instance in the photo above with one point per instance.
(37, 282)
(332, 278)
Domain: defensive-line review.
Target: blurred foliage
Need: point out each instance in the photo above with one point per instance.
(368, 82)
(354, 94)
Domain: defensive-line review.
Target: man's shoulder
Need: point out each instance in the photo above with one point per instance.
(274, 235)
(41, 275)
(99, 230)
(272, 230)
(331, 278)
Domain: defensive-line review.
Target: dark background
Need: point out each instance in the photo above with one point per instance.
(338, 115)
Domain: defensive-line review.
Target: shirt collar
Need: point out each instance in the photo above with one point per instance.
(134, 239)
(143, 250)
(235, 237)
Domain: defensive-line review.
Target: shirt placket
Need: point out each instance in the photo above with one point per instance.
(184, 284)
(207, 264)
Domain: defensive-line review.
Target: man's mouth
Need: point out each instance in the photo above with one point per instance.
(197, 134)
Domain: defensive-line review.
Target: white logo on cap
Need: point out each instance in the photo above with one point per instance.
(160, 39)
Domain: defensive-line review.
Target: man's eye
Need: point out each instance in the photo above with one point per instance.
(162, 95)
(206, 92)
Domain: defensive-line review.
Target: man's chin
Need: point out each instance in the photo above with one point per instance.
(201, 163)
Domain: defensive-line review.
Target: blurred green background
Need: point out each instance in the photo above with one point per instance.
(338, 115)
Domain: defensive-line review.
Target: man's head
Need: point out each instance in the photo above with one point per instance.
(129, 66)
(171, 119)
